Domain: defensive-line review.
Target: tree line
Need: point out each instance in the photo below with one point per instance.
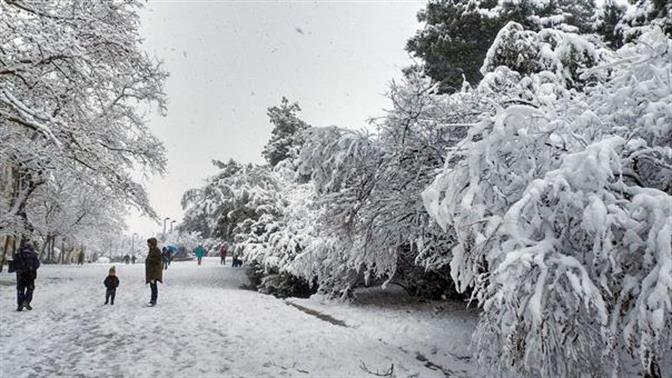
(73, 84)
(526, 163)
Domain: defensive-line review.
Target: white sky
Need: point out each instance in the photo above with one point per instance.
(230, 60)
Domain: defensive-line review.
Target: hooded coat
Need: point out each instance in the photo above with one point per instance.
(153, 268)
(111, 282)
(199, 251)
(25, 261)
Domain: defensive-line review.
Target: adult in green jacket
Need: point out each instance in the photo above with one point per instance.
(153, 270)
(199, 252)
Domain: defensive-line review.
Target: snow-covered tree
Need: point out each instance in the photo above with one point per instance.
(563, 211)
(457, 34)
(232, 202)
(66, 212)
(207, 208)
(564, 54)
(641, 14)
(71, 78)
(373, 227)
(287, 134)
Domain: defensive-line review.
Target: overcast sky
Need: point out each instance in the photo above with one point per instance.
(230, 60)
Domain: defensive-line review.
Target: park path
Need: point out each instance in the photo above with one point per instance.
(204, 325)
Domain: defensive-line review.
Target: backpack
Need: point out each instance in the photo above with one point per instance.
(18, 264)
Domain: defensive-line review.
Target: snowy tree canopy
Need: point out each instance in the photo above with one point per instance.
(72, 76)
(230, 201)
(457, 34)
(543, 190)
(563, 229)
(287, 134)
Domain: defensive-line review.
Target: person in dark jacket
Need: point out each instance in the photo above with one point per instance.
(165, 258)
(111, 283)
(153, 269)
(25, 264)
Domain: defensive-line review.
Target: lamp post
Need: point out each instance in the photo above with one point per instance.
(164, 227)
(133, 242)
(171, 225)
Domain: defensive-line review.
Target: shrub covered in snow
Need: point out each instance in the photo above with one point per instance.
(563, 230)
(564, 54)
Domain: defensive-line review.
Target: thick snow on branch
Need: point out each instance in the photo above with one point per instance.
(562, 211)
(73, 83)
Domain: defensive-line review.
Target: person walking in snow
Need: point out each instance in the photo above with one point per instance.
(222, 254)
(199, 252)
(111, 283)
(80, 258)
(133, 259)
(165, 258)
(153, 271)
(25, 263)
(170, 255)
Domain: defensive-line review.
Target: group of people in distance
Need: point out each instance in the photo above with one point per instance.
(129, 259)
(25, 263)
(223, 251)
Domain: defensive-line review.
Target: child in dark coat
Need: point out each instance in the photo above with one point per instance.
(111, 282)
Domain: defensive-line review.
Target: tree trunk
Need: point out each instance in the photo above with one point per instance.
(45, 246)
(50, 252)
(654, 370)
(53, 246)
(61, 257)
(6, 244)
(25, 186)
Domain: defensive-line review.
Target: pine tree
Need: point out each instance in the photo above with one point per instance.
(608, 18)
(287, 135)
(454, 42)
(458, 33)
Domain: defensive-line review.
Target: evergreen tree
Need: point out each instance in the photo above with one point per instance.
(608, 18)
(454, 42)
(287, 135)
(643, 13)
(458, 33)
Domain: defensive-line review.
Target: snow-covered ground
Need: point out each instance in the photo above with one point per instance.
(205, 325)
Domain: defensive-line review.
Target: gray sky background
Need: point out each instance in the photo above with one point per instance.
(230, 60)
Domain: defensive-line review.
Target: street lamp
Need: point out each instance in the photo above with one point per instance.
(171, 225)
(164, 227)
(133, 242)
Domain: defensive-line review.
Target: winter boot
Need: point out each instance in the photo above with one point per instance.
(27, 306)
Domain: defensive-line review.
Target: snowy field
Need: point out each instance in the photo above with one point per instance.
(205, 325)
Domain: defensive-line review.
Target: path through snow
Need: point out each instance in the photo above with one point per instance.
(204, 326)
